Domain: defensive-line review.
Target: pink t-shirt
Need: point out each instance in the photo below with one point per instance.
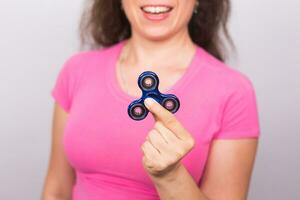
(103, 144)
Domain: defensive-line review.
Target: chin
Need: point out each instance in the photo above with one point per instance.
(156, 33)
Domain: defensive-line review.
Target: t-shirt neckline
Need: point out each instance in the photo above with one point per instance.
(114, 86)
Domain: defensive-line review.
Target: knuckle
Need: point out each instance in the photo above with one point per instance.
(157, 125)
(147, 143)
(174, 159)
(171, 121)
(147, 138)
(161, 166)
(151, 134)
(190, 143)
(193, 142)
(180, 153)
(148, 164)
(144, 160)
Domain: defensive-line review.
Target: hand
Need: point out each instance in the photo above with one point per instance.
(166, 144)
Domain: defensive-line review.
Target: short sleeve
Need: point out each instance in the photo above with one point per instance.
(239, 116)
(61, 92)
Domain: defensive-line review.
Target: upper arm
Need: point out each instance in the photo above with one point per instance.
(233, 148)
(60, 176)
(228, 169)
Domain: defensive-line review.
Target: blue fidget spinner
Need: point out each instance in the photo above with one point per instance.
(148, 82)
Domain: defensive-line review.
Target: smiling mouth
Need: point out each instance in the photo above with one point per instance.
(156, 9)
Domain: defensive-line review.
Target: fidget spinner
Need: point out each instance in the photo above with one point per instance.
(148, 82)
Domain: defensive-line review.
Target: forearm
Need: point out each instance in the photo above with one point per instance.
(55, 194)
(54, 197)
(178, 185)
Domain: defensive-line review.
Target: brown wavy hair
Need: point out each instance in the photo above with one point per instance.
(104, 23)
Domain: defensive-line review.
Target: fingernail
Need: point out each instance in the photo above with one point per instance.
(149, 101)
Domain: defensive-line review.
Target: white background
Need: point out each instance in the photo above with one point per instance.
(38, 35)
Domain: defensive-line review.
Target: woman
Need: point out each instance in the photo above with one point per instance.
(206, 150)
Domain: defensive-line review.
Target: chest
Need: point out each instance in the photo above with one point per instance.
(127, 79)
(101, 138)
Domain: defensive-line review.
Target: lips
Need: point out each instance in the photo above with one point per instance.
(156, 12)
(156, 9)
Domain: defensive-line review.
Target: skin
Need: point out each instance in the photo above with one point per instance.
(60, 176)
(230, 162)
(228, 169)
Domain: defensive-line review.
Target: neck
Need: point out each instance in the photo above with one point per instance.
(144, 52)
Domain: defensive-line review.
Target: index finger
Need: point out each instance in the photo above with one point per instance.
(166, 117)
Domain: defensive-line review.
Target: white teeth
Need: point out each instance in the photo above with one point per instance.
(156, 9)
